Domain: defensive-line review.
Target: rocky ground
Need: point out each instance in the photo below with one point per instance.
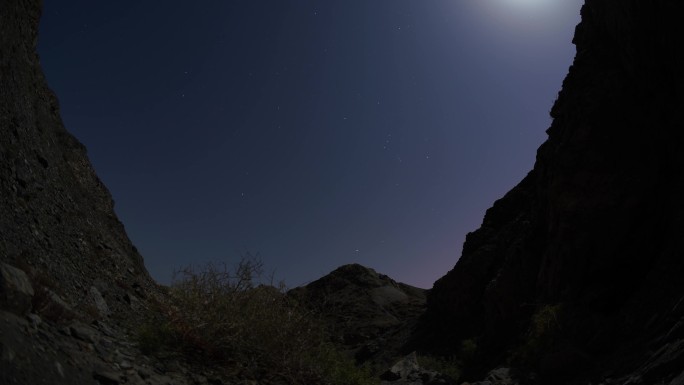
(46, 340)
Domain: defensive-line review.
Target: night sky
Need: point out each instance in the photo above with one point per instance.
(314, 133)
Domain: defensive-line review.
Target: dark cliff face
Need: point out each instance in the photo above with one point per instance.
(595, 230)
(72, 287)
(55, 214)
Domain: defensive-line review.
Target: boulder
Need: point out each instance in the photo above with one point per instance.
(403, 368)
(499, 376)
(84, 333)
(408, 371)
(100, 303)
(16, 291)
(52, 307)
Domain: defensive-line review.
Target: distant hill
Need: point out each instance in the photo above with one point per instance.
(370, 314)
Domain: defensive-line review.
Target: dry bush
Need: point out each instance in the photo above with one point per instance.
(227, 317)
(544, 331)
(449, 366)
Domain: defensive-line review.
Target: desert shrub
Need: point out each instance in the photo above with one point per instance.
(228, 318)
(450, 366)
(453, 365)
(339, 369)
(468, 350)
(157, 335)
(544, 328)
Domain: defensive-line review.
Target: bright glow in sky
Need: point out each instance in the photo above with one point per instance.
(525, 16)
(528, 5)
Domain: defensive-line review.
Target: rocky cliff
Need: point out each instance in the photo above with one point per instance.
(71, 282)
(575, 274)
(55, 214)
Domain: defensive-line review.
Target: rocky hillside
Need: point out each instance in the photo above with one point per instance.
(370, 314)
(575, 274)
(56, 216)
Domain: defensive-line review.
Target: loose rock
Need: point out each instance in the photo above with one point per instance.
(84, 333)
(107, 377)
(100, 302)
(408, 371)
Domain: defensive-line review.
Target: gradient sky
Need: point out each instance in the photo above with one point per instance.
(315, 133)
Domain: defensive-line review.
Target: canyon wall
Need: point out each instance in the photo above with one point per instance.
(56, 216)
(577, 271)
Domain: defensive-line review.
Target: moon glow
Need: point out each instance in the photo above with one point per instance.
(527, 15)
(527, 3)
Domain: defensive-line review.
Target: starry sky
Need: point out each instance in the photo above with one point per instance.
(313, 133)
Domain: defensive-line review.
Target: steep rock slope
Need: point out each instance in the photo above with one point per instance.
(72, 286)
(55, 214)
(592, 238)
